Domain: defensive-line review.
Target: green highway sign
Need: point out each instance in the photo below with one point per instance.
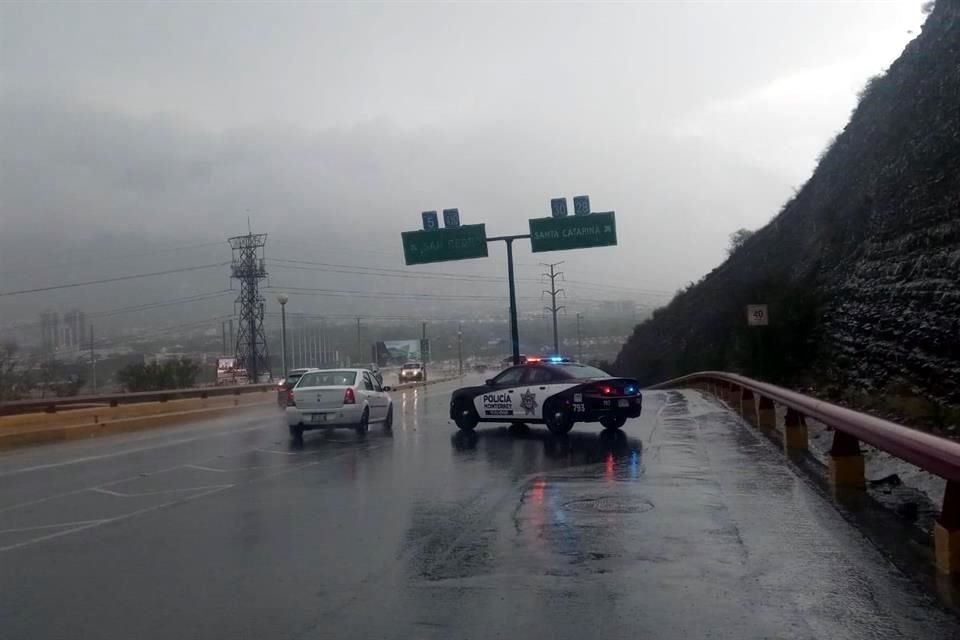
(573, 232)
(440, 245)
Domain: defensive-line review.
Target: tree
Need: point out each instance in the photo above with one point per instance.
(737, 240)
(53, 378)
(14, 374)
(172, 374)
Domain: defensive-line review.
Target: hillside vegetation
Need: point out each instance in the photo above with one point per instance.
(861, 269)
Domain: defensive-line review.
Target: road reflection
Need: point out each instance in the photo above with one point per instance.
(525, 450)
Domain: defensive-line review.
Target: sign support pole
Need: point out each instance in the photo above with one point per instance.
(514, 325)
(556, 233)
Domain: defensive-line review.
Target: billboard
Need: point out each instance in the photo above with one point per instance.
(397, 352)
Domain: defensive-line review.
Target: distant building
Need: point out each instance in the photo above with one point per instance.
(65, 334)
(74, 329)
(619, 307)
(50, 331)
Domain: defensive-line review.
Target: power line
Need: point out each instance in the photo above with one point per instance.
(108, 280)
(132, 309)
(392, 295)
(155, 305)
(417, 275)
(165, 330)
(118, 256)
(336, 293)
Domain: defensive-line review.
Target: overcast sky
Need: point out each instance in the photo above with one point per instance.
(334, 125)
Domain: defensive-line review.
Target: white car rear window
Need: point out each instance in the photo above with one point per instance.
(328, 379)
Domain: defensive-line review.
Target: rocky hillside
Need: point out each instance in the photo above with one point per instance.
(862, 268)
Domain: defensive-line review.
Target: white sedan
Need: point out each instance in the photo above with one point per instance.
(338, 398)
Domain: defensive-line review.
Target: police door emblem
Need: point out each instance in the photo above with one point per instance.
(528, 401)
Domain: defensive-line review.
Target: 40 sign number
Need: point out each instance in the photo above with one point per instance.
(757, 315)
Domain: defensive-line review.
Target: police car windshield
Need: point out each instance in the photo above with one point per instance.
(580, 371)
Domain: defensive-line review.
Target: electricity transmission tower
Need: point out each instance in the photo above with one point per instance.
(248, 267)
(553, 292)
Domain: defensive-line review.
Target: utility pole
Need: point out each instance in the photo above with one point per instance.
(359, 343)
(553, 274)
(460, 347)
(231, 343)
(579, 338)
(282, 299)
(323, 341)
(223, 330)
(423, 343)
(93, 362)
(300, 358)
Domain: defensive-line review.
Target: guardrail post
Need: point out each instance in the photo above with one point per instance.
(766, 414)
(727, 393)
(946, 532)
(748, 408)
(846, 461)
(794, 431)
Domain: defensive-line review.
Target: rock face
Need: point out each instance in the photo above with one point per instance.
(861, 270)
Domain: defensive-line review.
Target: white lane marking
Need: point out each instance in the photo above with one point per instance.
(74, 492)
(179, 501)
(121, 494)
(58, 525)
(98, 523)
(116, 454)
(283, 453)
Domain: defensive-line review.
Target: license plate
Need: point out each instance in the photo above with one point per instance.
(318, 417)
(623, 403)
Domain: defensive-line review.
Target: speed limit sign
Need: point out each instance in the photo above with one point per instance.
(757, 315)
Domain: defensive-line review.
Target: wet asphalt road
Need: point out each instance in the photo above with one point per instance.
(686, 525)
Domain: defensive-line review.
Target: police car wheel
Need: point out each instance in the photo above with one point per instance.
(467, 418)
(613, 422)
(558, 421)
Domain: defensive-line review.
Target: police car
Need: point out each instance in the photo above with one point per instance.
(552, 391)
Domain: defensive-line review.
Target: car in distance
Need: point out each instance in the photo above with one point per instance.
(338, 398)
(554, 391)
(285, 385)
(412, 372)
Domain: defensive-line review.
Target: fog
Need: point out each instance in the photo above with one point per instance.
(137, 137)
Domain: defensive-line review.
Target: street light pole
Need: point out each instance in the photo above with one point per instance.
(282, 299)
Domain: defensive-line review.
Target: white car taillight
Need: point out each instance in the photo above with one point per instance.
(349, 397)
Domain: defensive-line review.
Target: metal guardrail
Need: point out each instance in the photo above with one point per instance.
(54, 405)
(756, 402)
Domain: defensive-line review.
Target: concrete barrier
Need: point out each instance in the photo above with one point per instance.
(31, 429)
(38, 428)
